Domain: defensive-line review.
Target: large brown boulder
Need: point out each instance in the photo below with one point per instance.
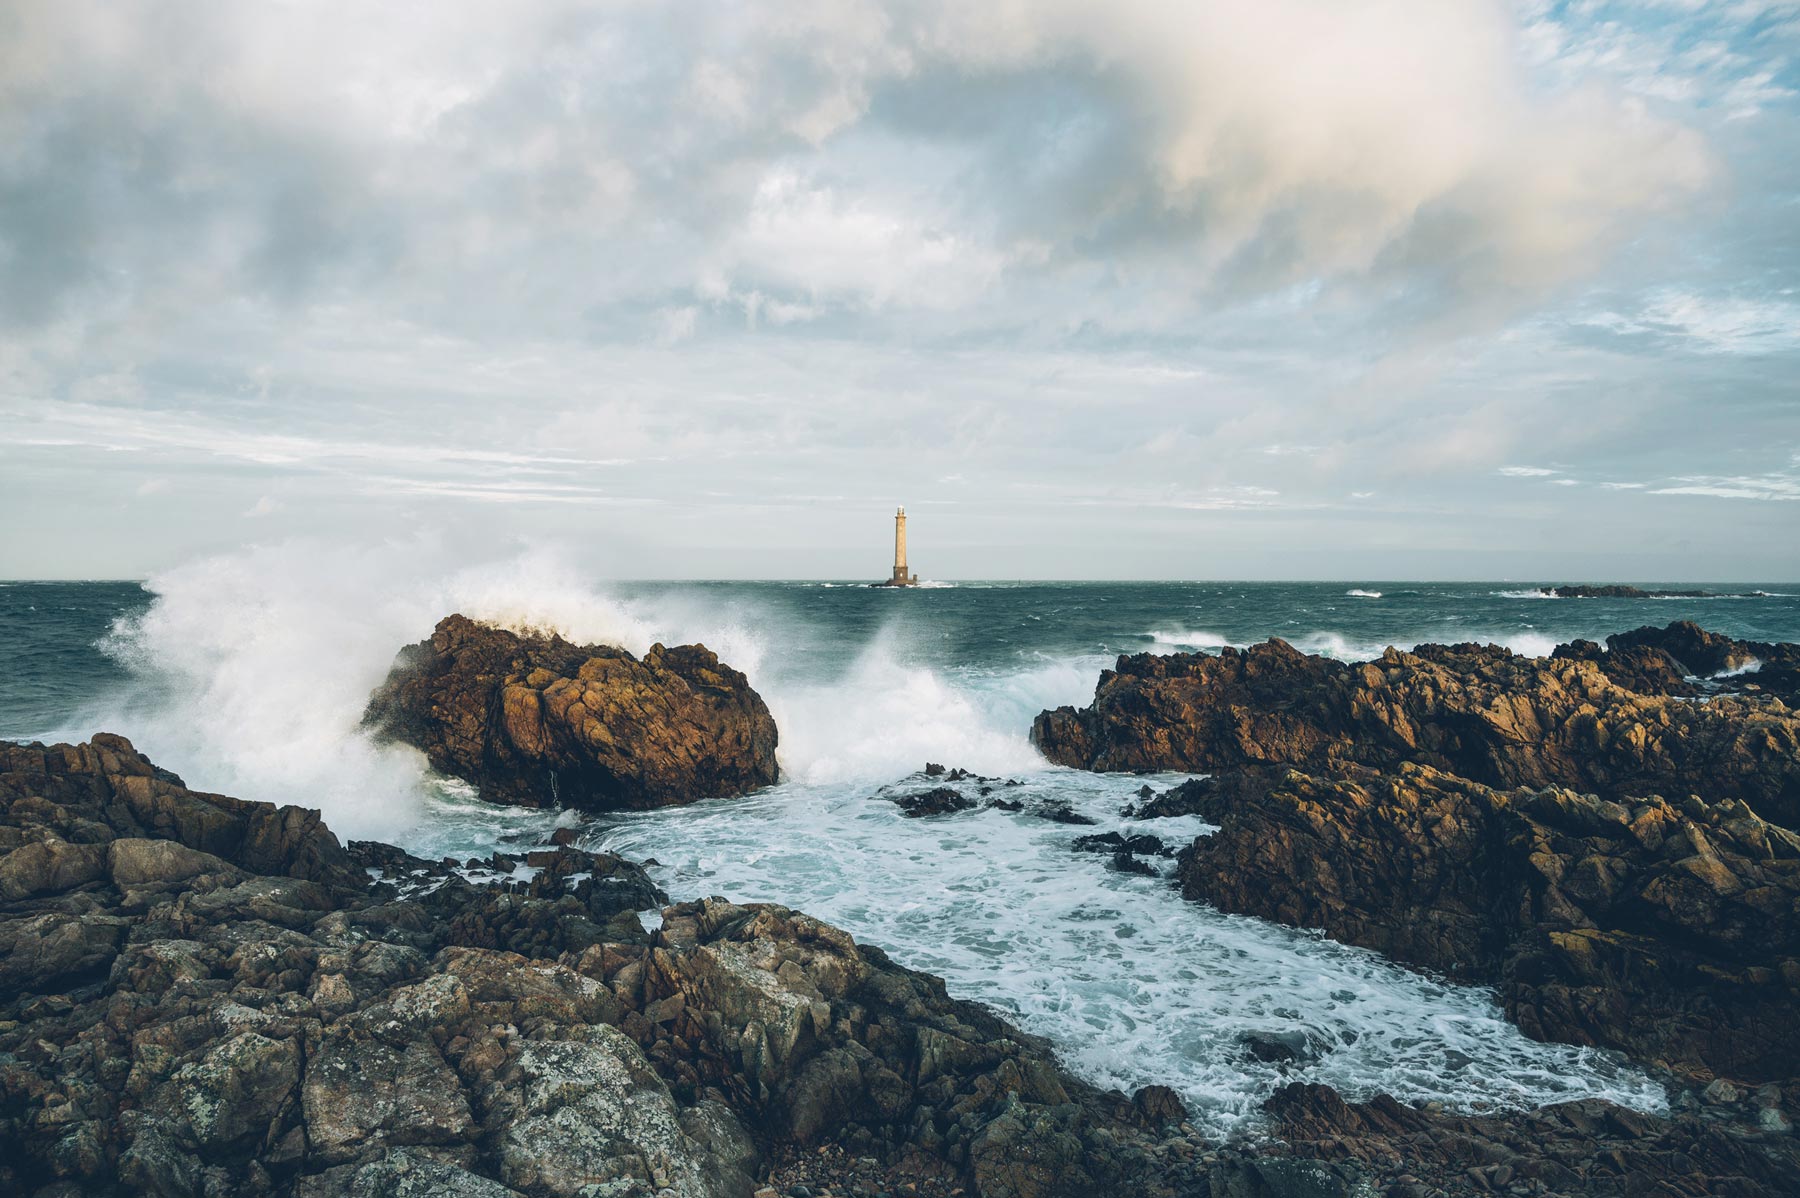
(1672, 932)
(534, 720)
(1479, 711)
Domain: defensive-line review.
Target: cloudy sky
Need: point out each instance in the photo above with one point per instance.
(1148, 288)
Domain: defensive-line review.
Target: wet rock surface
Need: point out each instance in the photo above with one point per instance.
(1573, 1148)
(174, 1020)
(1478, 711)
(1499, 819)
(1705, 661)
(361, 1021)
(535, 720)
(1670, 932)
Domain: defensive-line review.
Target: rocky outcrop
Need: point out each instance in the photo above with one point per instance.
(537, 721)
(1669, 931)
(203, 996)
(1478, 711)
(364, 1022)
(1587, 1148)
(1685, 659)
(1616, 591)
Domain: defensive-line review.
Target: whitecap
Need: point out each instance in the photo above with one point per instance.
(1181, 638)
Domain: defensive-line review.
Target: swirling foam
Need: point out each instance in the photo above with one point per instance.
(1134, 985)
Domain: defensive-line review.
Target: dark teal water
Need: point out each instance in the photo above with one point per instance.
(56, 661)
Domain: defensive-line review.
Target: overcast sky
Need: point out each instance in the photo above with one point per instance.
(1291, 288)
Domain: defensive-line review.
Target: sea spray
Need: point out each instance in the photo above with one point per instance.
(251, 671)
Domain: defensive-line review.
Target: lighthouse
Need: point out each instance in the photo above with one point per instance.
(900, 577)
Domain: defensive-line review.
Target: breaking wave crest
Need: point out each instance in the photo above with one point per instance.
(251, 671)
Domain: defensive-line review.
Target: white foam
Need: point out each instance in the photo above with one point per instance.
(1133, 984)
(1338, 646)
(1753, 665)
(252, 669)
(1358, 593)
(1181, 639)
(883, 718)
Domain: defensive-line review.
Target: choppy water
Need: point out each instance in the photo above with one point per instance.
(247, 674)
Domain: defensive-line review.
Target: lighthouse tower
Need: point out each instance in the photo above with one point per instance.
(900, 577)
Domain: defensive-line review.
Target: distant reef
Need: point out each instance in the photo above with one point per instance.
(1615, 591)
(534, 720)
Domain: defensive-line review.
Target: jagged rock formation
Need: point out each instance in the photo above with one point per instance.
(537, 721)
(1478, 711)
(1587, 1148)
(1671, 932)
(203, 996)
(1685, 659)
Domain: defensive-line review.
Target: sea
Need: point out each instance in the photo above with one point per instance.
(247, 674)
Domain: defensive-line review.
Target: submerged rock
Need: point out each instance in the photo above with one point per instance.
(939, 800)
(1114, 842)
(537, 721)
(1478, 711)
(1669, 931)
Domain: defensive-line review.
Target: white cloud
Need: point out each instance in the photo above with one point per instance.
(483, 262)
(1785, 486)
(809, 239)
(1710, 324)
(471, 154)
